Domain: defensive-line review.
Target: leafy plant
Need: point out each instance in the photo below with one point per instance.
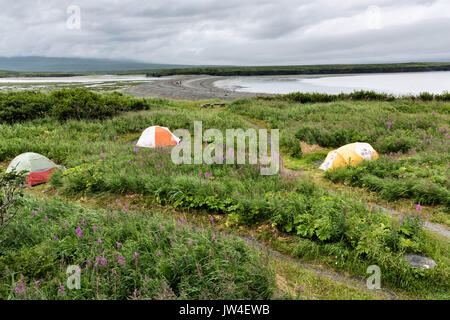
(11, 185)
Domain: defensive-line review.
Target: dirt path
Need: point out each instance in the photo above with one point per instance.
(440, 229)
(321, 272)
(187, 88)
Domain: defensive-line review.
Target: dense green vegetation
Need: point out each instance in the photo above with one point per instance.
(412, 136)
(80, 103)
(123, 255)
(66, 104)
(304, 69)
(101, 159)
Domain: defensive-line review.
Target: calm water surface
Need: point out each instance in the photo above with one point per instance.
(394, 83)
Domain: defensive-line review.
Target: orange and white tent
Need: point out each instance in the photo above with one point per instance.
(157, 136)
(350, 154)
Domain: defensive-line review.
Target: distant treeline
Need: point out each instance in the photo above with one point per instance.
(8, 74)
(80, 103)
(312, 69)
(251, 71)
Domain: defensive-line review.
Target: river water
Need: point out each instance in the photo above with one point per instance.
(395, 83)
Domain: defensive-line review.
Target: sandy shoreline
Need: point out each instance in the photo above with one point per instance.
(188, 88)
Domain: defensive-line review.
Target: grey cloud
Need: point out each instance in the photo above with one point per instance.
(229, 32)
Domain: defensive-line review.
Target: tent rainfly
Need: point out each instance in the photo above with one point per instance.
(39, 167)
(350, 154)
(157, 136)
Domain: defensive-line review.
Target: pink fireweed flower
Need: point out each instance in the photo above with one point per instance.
(214, 239)
(401, 221)
(55, 237)
(94, 228)
(20, 287)
(102, 155)
(32, 213)
(103, 261)
(45, 220)
(182, 221)
(389, 124)
(79, 232)
(37, 283)
(199, 269)
(99, 241)
(136, 259)
(136, 149)
(119, 245)
(61, 288)
(419, 207)
(83, 222)
(211, 219)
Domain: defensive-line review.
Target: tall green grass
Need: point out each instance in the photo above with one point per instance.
(124, 255)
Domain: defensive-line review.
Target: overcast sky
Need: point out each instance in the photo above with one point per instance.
(246, 32)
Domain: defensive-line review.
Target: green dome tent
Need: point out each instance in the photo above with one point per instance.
(39, 167)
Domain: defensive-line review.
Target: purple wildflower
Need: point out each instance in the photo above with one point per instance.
(20, 287)
(199, 269)
(79, 232)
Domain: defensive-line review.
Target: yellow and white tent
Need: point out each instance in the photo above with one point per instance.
(350, 154)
